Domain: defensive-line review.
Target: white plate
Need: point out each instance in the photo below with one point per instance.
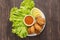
(43, 16)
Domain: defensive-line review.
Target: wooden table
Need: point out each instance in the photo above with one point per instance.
(51, 9)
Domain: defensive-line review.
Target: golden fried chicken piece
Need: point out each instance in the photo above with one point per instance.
(37, 32)
(37, 27)
(29, 30)
(32, 29)
(40, 20)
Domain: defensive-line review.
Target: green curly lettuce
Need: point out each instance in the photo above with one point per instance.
(17, 15)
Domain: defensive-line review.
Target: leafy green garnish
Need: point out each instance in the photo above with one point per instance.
(17, 15)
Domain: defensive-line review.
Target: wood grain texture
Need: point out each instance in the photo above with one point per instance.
(51, 9)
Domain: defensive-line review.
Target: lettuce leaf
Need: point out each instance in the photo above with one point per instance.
(17, 15)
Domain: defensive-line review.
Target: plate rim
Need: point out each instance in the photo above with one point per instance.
(43, 15)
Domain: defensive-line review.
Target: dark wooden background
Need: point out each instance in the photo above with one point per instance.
(51, 9)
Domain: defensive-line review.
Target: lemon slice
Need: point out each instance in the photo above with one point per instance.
(36, 12)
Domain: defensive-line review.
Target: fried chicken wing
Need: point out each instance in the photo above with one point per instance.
(40, 20)
(31, 30)
(37, 27)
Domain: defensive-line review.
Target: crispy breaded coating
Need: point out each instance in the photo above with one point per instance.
(37, 32)
(32, 29)
(40, 20)
(37, 27)
(29, 30)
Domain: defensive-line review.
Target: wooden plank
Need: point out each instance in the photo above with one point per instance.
(51, 9)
